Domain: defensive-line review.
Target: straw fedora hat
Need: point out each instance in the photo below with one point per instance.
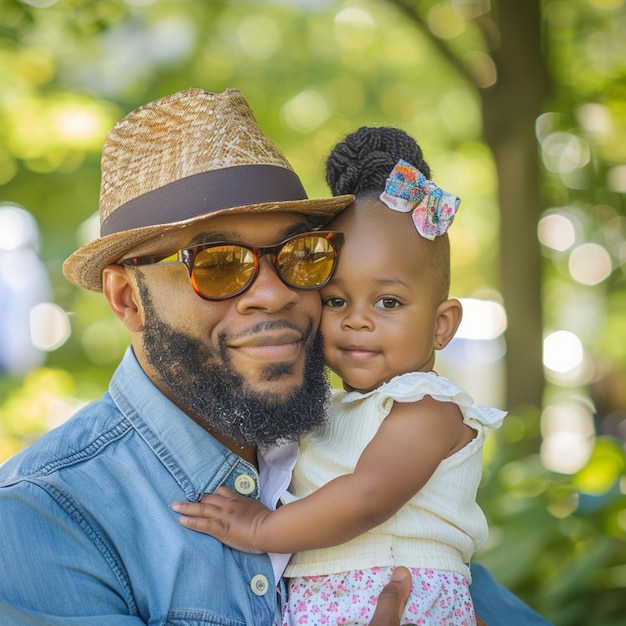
(179, 160)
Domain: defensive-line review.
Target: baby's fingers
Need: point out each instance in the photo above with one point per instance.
(202, 516)
(207, 507)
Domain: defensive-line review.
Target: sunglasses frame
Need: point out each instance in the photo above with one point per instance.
(187, 256)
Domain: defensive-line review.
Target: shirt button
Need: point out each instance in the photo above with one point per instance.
(259, 585)
(244, 484)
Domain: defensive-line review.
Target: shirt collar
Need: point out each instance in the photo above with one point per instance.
(195, 459)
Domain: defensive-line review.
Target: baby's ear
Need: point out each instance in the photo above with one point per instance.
(449, 314)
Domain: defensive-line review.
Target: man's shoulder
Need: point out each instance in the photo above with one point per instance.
(84, 436)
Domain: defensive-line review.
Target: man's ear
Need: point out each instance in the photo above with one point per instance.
(120, 292)
(449, 314)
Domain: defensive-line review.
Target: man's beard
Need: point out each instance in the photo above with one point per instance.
(201, 380)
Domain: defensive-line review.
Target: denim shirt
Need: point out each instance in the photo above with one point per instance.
(87, 534)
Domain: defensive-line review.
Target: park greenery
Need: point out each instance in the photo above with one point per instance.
(520, 107)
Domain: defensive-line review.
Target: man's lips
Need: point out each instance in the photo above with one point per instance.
(283, 345)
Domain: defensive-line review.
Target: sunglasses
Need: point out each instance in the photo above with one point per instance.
(225, 269)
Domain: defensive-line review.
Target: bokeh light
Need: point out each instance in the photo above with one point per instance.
(562, 351)
(24, 284)
(590, 264)
(568, 436)
(18, 228)
(475, 356)
(596, 119)
(355, 28)
(306, 111)
(564, 152)
(556, 231)
(616, 178)
(445, 22)
(49, 326)
(482, 319)
(259, 37)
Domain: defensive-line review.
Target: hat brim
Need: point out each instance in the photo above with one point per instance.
(84, 267)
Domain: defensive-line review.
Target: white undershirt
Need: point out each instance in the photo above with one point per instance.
(275, 468)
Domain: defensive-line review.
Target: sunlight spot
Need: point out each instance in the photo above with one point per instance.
(564, 508)
(595, 119)
(76, 123)
(606, 5)
(616, 178)
(61, 409)
(18, 228)
(562, 351)
(545, 124)
(556, 231)
(49, 326)
(482, 68)
(568, 437)
(482, 319)
(590, 264)
(354, 28)
(40, 4)
(355, 17)
(306, 111)
(259, 37)
(444, 22)
(565, 452)
(564, 152)
(88, 230)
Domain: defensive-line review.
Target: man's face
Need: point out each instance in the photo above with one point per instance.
(249, 366)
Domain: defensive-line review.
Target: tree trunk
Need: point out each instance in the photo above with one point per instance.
(510, 109)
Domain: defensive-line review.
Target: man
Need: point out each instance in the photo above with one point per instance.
(208, 256)
(88, 535)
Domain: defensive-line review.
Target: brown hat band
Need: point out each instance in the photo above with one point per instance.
(206, 192)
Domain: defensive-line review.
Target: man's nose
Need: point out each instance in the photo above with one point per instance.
(268, 292)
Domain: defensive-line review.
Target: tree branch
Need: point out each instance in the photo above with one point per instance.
(408, 8)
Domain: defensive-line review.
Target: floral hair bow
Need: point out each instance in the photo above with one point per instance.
(407, 189)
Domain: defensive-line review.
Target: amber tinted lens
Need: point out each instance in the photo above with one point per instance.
(222, 271)
(306, 262)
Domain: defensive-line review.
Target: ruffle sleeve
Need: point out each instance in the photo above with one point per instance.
(413, 386)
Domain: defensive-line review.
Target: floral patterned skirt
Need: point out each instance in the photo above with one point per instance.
(349, 598)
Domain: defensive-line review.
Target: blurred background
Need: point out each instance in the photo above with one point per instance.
(520, 107)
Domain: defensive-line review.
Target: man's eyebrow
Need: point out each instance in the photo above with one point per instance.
(210, 237)
(225, 235)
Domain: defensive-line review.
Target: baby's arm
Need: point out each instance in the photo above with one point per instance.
(409, 445)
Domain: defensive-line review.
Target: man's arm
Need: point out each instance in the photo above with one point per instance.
(497, 605)
(51, 572)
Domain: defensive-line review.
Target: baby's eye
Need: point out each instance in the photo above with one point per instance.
(334, 303)
(388, 303)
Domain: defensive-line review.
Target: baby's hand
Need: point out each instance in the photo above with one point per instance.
(233, 519)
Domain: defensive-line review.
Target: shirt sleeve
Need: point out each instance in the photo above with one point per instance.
(496, 605)
(55, 568)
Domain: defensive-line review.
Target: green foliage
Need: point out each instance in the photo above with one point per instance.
(558, 541)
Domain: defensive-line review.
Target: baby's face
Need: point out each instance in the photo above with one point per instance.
(380, 311)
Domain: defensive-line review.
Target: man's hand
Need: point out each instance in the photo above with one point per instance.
(229, 517)
(392, 599)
